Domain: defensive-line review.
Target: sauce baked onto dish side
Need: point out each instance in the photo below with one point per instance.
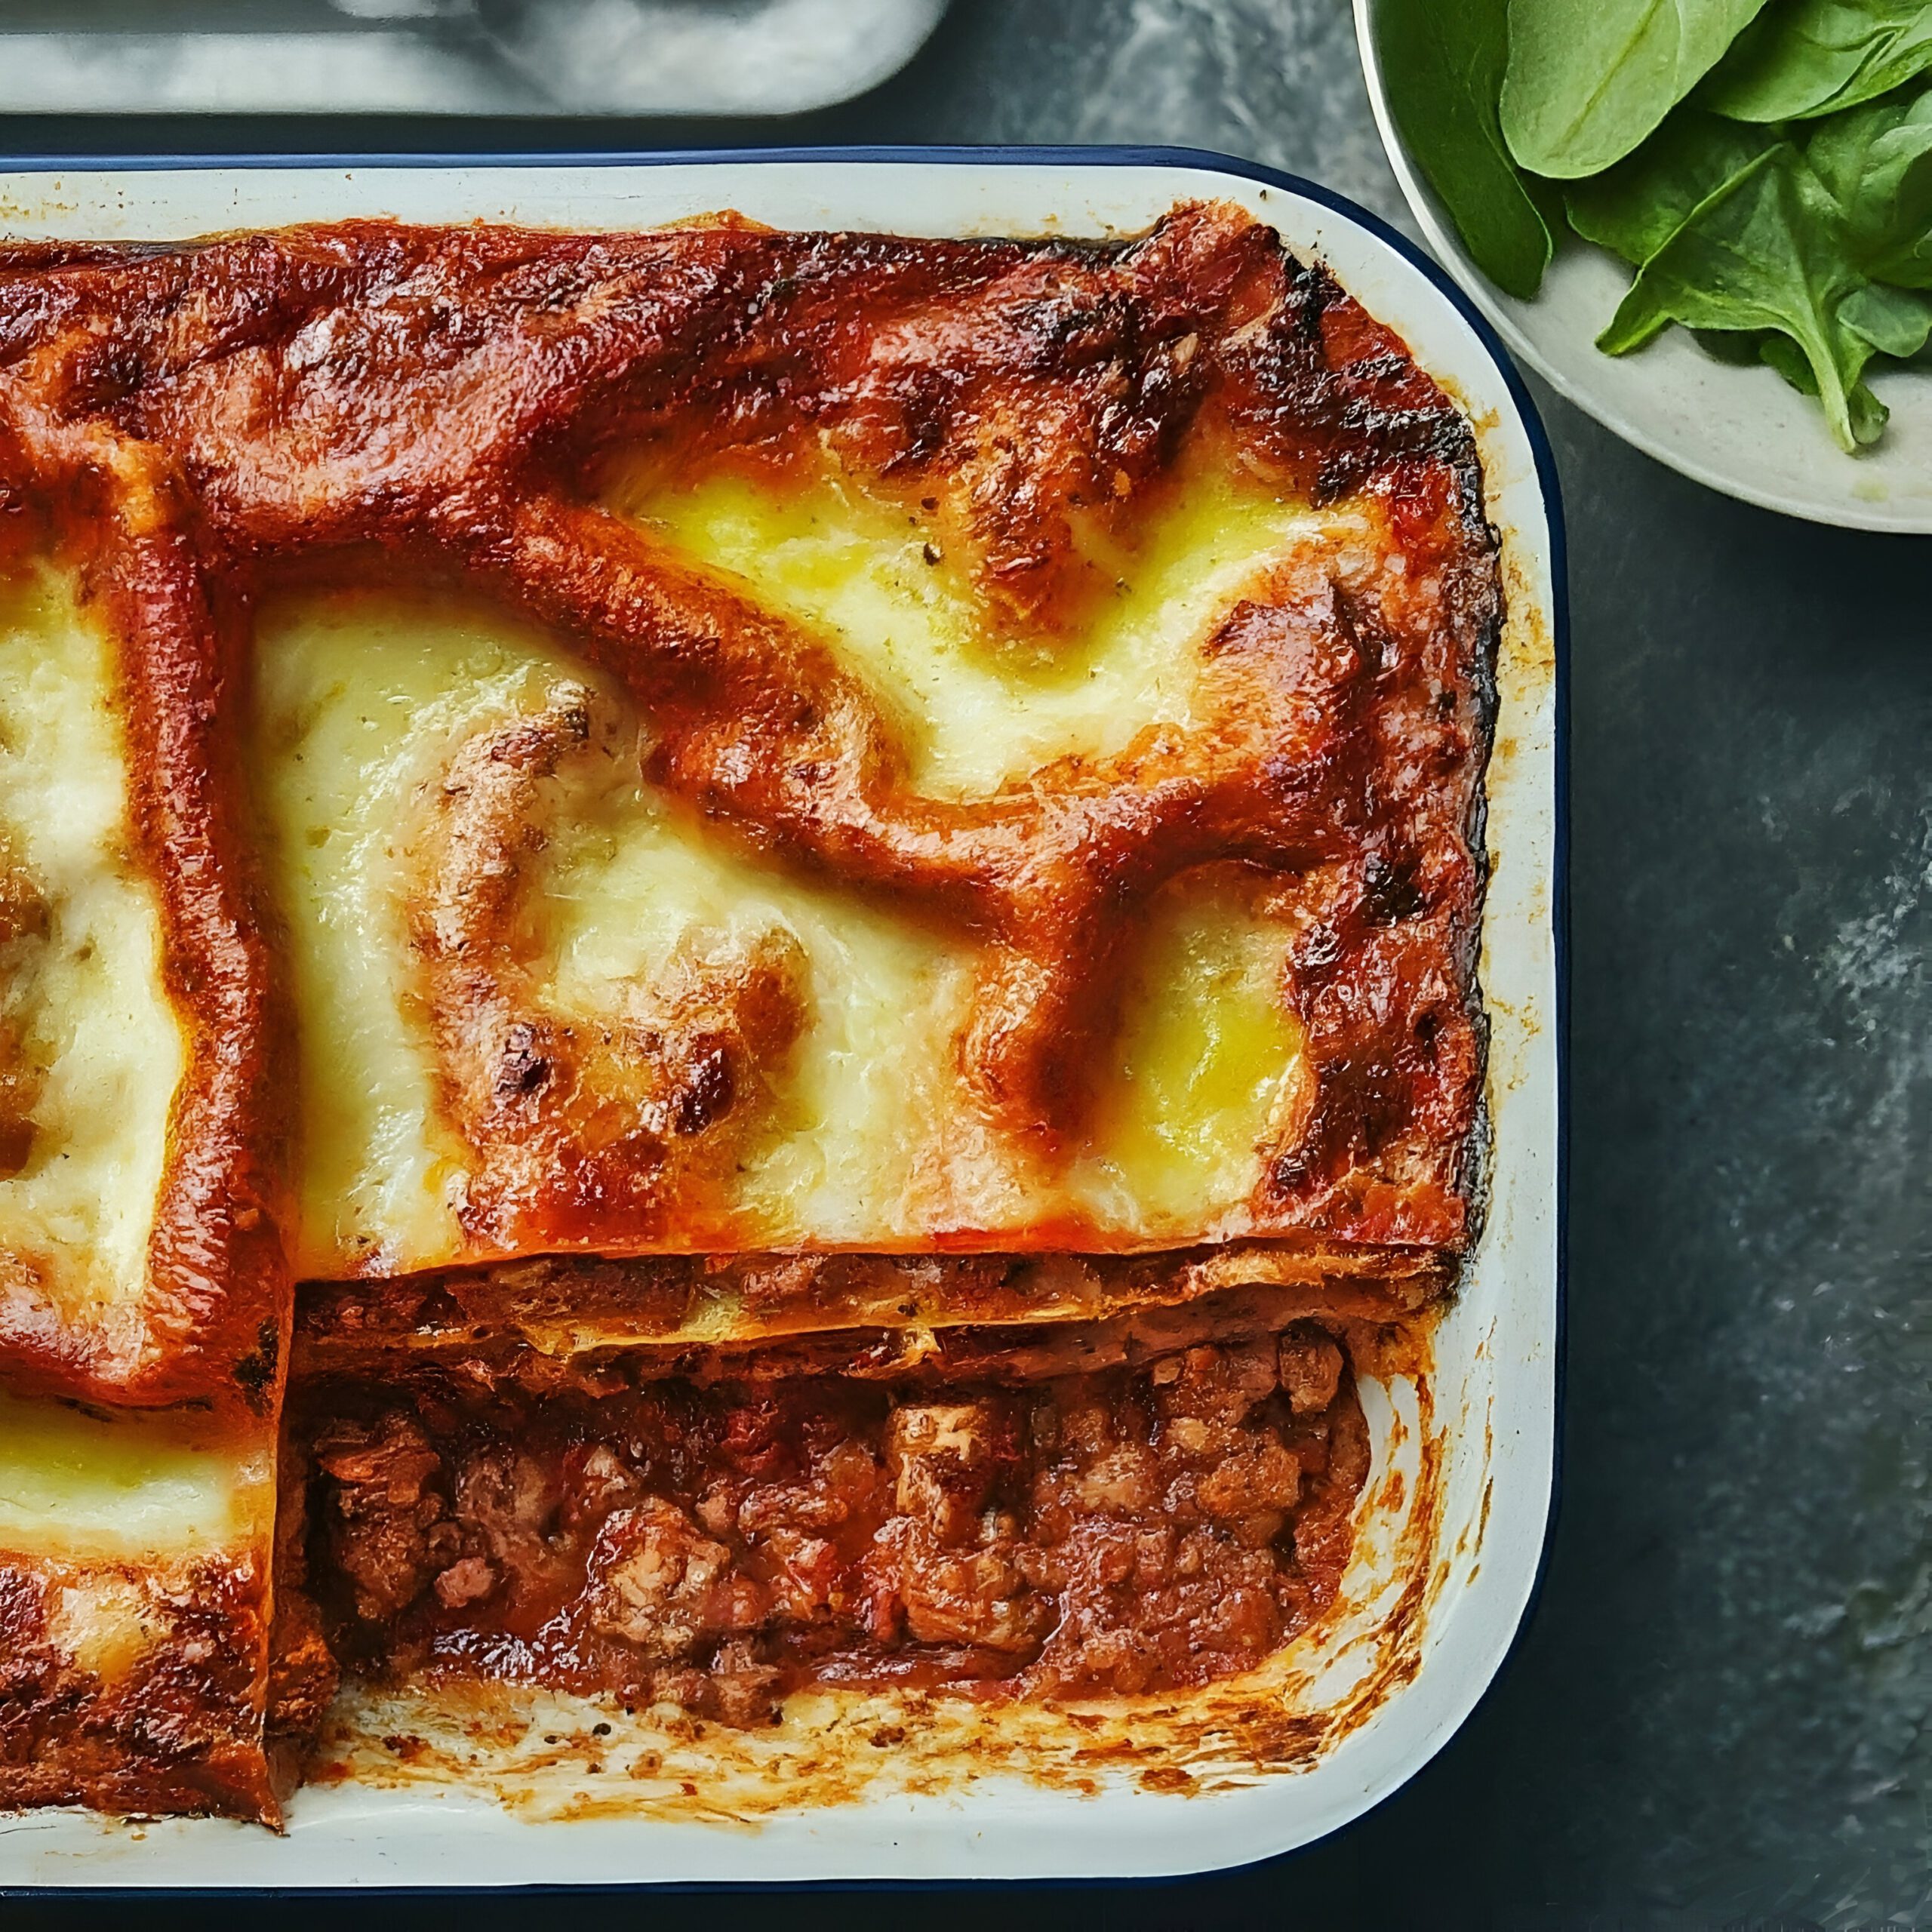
(735, 967)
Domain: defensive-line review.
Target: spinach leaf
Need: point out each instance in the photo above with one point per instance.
(1814, 56)
(1876, 161)
(1868, 414)
(1895, 322)
(1764, 252)
(1634, 208)
(1587, 80)
(1443, 68)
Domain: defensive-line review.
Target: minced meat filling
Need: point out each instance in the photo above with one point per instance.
(716, 1546)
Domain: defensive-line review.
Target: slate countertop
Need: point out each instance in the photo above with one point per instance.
(1721, 1713)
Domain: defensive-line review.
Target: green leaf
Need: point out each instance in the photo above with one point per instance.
(1764, 252)
(1876, 162)
(1895, 322)
(1587, 80)
(1442, 66)
(1810, 57)
(1634, 208)
(1779, 352)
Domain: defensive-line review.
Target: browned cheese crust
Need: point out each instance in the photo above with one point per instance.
(370, 398)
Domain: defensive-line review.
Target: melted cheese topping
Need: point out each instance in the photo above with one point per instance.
(1205, 1058)
(81, 1484)
(74, 1223)
(868, 1140)
(865, 1146)
(977, 710)
(360, 702)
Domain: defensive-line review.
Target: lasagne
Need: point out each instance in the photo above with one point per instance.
(731, 962)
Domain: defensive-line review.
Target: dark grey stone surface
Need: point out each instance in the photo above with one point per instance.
(1720, 1713)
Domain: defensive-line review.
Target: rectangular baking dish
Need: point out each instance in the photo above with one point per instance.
(1455, 1512)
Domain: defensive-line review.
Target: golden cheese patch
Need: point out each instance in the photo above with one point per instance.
(87, 1011)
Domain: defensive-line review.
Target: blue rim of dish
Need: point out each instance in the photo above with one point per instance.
(1549, 488)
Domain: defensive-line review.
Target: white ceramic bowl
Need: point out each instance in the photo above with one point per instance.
(1743, 431)
(1495, 1389)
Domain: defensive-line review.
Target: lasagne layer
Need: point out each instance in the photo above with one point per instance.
(769, 740)
(738, 1307)
(718, 1545)
(135, 1605)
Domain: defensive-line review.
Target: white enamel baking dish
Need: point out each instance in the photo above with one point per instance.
(1471, 1564)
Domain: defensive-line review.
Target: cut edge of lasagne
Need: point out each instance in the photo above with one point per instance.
(136, 1602)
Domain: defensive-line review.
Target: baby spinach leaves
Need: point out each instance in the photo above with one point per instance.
(1634, 207)
(1443, 67)
(1588, 79)
(1815, 57)
(1763, 165)
(1877, 162)
(1760, 254)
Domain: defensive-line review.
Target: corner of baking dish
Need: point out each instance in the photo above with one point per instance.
(1449, 1560)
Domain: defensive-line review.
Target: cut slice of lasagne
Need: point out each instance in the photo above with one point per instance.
(822, 889)
(143, 1294)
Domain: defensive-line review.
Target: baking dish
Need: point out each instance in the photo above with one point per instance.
(1451, 1542)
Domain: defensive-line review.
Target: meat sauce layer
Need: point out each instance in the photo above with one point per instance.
(716, 1547)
